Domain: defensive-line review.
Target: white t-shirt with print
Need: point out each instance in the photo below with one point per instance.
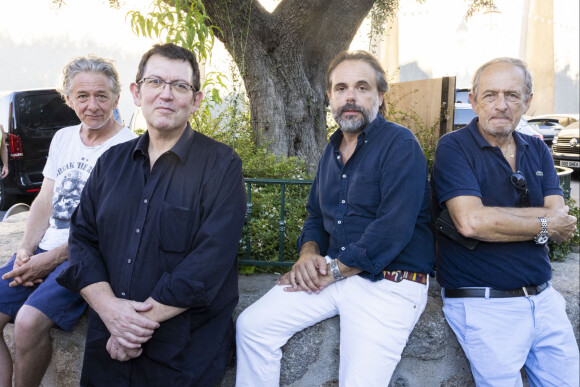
(69, 164)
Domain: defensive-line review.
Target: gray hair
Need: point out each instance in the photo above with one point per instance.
(516, 62)
(92, 64)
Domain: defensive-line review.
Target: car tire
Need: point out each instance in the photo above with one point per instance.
(6, 200)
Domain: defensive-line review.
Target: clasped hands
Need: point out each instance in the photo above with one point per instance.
(29, 269)
(309, 274)
(129, 329)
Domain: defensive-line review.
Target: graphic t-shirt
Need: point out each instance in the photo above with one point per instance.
(69, 164)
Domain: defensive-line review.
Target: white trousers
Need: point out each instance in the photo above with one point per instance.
(376, 319)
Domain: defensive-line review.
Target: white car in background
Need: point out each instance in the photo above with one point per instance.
(525, 128)
(566, 147)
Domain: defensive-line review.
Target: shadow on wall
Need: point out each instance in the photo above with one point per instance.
(566, 100)
(412, 72)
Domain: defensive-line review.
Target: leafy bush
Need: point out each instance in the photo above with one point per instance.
(232, 126)
(559, 251)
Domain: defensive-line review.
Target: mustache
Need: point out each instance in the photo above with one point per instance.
(350, 107)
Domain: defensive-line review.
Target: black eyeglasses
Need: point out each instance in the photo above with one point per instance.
(519, 182)
(176, 86)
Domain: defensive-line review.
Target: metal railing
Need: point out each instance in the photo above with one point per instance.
(565, 176)
(281, 224)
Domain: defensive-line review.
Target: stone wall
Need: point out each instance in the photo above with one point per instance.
(432, 357)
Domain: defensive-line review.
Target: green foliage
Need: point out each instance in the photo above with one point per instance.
(477, 5)
(183, 23)
(381, 14)
(559, 251)
(232, 126)
(187, 25)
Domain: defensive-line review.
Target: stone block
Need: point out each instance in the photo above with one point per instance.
(432, 358)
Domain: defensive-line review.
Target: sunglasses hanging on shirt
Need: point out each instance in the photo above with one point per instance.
(519, 182)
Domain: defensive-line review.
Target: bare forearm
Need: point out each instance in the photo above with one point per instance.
(494, 224)
(98, 295)
(4, 154)
(161, 312)
(38, 222)
(347, 271)
(59, 254)
(501, 224)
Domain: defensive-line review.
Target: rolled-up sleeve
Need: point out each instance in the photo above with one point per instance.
(86, 264)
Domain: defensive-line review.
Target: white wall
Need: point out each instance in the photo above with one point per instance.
(37, 39)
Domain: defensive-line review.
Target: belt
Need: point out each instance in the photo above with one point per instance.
(524, 291)
(399, 275)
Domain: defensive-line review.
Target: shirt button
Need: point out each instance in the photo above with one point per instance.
(343, 201)
(344, 176)
(123, 294)
(137, 231)
(145, 201)
(129, 261)
(340, 222)
(343, 248)
(338, 157)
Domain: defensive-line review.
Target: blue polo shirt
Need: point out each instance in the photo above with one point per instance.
(372, 213)
(465, 164)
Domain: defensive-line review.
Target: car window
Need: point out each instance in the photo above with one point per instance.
(44, 111)
(462, 96)
(462, 117)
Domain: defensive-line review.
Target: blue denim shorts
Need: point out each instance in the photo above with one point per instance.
(59, 304)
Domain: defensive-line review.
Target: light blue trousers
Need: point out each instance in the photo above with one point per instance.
(501, 335)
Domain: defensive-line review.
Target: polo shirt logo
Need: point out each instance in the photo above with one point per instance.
(539, 173)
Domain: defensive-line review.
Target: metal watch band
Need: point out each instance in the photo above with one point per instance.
(335, 270)
(542, 237)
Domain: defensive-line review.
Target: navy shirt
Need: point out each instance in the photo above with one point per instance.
(172, 233)
(466, 164)
(372, 213)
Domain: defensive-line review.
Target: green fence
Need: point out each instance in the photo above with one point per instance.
(565, 175)
(280, 210)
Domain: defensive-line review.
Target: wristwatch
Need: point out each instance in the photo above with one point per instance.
(542, 237)
(333, 265)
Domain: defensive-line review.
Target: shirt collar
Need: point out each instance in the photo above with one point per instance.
(482, 142)
(180, 149)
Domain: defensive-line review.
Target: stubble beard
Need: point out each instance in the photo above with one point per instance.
(355, 124)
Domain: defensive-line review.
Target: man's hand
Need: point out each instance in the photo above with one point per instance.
(126, 324)
(561, 226)
(285, 280)
(118, 352)
(308, 272)
(28, 269)
(4, 171)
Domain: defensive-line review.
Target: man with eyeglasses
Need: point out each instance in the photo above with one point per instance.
(501, 189)
(153, 244)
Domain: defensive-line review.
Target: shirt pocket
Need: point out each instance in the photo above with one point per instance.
(175, 228)
(364, 191)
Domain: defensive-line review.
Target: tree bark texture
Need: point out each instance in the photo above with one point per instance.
(283, 57)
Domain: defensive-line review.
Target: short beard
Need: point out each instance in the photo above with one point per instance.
(355, 125)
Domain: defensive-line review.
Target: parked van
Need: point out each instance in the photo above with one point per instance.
(30, 119)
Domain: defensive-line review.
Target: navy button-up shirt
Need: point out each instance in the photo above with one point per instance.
(467, 165)
(372, 213)
(172, 233)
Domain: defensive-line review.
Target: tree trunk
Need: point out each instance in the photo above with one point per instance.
(283, 57)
